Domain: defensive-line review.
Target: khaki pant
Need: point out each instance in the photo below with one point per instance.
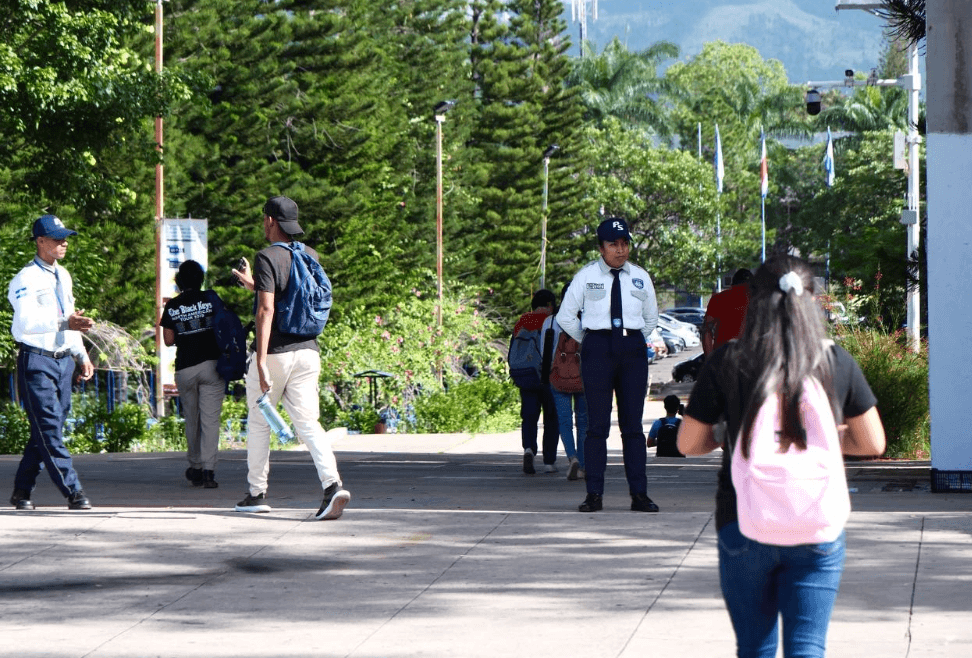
(294, 381)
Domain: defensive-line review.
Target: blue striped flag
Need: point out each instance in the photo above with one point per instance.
(828, 161)
(720, 169)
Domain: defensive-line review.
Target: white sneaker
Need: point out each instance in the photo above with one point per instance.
(573, 468)
(549, 468)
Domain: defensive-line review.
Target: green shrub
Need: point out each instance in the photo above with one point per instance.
(98, 430)
(14, 429)
(479, 405)
(899, 379)
(408, 343)
(167, 434)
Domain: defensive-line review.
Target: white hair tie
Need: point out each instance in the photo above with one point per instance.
(791, 281)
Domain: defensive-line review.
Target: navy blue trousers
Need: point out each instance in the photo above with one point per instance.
(45, 388)
(532, 403)
(625, 376)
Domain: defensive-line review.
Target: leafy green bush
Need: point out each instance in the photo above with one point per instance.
(167, 434)
(98, 430)
(899, 379)
(14, 429)
(479, 405)
(427, 363)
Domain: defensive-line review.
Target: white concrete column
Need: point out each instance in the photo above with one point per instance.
(949, 161)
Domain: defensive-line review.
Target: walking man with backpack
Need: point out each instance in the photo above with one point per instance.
(529, 361)
(293, 299)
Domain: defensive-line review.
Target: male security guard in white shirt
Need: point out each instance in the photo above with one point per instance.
(618, 310)
(47, 329)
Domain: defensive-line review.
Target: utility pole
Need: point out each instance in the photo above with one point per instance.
(159, 216)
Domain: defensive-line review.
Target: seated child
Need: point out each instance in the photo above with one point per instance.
(664, 431)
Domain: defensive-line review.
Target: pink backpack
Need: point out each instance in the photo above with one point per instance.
(798, 496)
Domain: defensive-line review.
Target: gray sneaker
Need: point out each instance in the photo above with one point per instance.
(252, 503)
(335, 500)
(528, 467)
(573, 468)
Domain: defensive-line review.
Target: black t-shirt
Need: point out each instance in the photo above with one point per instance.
(714, 397)
(271, 273)
(190, 315)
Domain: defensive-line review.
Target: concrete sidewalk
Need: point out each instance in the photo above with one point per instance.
(446, 549)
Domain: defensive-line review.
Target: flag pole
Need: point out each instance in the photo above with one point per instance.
(763, 207)
(720, 174)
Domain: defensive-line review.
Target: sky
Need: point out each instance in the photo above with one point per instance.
(811, 39)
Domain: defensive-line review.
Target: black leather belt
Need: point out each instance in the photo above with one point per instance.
(607, 332)
(37, 350)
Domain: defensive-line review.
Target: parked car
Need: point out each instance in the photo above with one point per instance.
(688, 333)
(673, 342)
(658, 344)
(688, 371)
(692, 315)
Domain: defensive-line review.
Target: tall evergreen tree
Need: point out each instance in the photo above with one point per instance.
(519, 66)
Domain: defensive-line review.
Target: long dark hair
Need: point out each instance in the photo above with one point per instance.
(782, 344)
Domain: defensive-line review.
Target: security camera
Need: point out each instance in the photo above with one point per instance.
(813, 102)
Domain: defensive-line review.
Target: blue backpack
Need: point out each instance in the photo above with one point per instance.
(231, 340)
(525, 358)
(306, 305)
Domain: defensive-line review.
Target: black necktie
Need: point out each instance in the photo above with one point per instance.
(617, 323)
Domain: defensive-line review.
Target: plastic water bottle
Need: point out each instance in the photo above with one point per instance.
(274, 420)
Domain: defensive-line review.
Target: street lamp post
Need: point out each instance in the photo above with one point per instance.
(909, 216)
(159, 215)
(439, 110)
(543, 226)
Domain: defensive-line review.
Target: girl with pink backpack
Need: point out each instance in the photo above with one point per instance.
(794, 403)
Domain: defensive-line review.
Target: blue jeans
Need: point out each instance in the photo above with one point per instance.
(571, 407)
(761, 582)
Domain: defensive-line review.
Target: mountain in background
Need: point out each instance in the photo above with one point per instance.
(810, 38)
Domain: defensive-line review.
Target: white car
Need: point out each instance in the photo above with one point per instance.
(687, 332)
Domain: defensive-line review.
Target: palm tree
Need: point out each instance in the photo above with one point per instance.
(906, 19)
(624, 84)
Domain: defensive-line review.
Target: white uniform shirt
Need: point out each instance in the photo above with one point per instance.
(39, 319)
(590, 293)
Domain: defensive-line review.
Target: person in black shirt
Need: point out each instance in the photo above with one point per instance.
(187, 323)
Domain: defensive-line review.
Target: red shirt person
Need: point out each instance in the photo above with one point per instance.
(726, 313)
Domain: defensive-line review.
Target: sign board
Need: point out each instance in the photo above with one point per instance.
(900, 157)
(182, 240)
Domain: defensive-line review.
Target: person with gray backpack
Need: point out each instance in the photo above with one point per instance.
(293, 301)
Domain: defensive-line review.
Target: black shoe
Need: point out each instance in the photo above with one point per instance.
(528, 462)
(592, 503)
(21, 500)
(252, 503)
(209, 480)
(642, 503)
(195, 476)
(335, 500)
(78, 500)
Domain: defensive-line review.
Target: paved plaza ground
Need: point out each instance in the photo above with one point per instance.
(447, 549)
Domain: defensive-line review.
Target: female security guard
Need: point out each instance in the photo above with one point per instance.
(618, 311)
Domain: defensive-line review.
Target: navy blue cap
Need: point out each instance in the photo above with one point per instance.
(49, 226)
(613, 228)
